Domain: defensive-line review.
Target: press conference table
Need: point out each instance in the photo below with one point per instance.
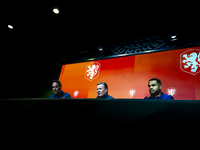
(104, 111)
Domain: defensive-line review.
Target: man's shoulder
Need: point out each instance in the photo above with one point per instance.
(165, 96)
(150, 97)
(170, 97)
(110, 97)
(66, 95)
(107, 97)
(51, 96)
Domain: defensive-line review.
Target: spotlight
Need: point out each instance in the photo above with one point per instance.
(10, 26)
(100, 48)
(56, 11)
(173, 37)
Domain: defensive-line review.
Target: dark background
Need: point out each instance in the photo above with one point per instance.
(33, 52)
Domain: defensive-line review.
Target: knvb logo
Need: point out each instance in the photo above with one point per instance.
(132, 92)
(190, 61)
(171, 91)
(92, 71)
(76, 93)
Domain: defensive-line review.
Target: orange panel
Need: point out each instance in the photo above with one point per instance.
(127, 77)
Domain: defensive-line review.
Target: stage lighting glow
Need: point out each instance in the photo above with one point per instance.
(173, 36)
(10, 26)
(56, 11)
(127, 76)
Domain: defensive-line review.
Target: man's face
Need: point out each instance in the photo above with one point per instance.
(154, 87)
(101, 91)
(56, 88)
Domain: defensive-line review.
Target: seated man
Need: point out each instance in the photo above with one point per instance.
(102, 91)
(58, 93)
(155, 90)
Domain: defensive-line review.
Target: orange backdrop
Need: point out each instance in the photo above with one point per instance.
(131, 73)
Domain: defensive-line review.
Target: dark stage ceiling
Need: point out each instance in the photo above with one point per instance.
(81, 26)
(33, 51)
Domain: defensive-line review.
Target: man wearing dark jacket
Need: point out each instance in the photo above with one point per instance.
(102, 91)
(57, 89)
(155, 87)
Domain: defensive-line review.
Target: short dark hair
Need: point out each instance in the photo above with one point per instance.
(104, 83)
(57, 81)
(158, 81)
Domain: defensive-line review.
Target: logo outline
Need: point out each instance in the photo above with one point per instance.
(169, 90)
(189, 65)
(76, 93)
(92, 73)
(132, 92)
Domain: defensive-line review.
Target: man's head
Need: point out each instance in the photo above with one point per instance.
(102, 89)
(56, 86)
(155, 86)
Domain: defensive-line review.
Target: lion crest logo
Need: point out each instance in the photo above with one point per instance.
(190, 61)
(92, 71)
